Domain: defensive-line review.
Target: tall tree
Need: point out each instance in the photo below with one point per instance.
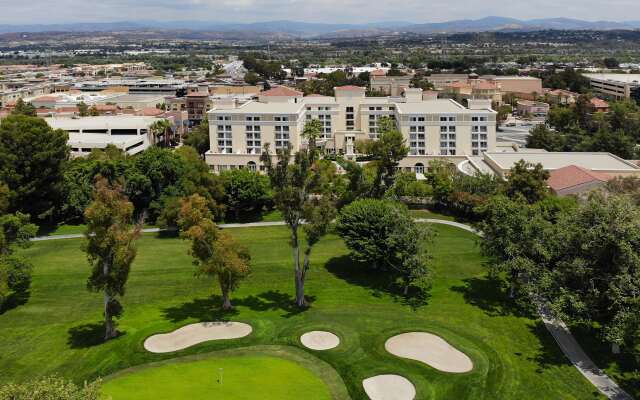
(198, 138)
(24, 108)
(245, 191)
(161, 131)
(597, 277)
(15, 232)
(301, 196)
(216, 253)
(527, 180)
(110, 247)
(32, 157)
(385, 153)
(382, 233)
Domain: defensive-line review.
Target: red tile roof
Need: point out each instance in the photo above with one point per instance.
(573, 175)
(46, 98)
(349, 87)
(281, 91)
(150, 112)
(599, 103)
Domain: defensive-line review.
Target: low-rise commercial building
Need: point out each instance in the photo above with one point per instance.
(533, 109)
(129, 133)
(605, 163)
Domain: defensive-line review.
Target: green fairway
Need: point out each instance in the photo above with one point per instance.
(59, 329)
(229, 378)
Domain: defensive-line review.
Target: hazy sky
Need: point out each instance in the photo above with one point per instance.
(56, 11)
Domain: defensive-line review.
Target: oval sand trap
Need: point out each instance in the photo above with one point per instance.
(389, 387)
(193, 334)
(320, 340)
(431, 350)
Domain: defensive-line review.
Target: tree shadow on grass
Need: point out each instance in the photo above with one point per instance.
(87, 335)
(490, 295)
(18, 298)
(379, 282)
(208, 309)
(548, 354)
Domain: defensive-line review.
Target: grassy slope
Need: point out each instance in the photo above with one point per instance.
(201, 379)
(514, 356)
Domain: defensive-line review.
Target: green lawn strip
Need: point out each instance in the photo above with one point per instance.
(58, 330)
(249, 370)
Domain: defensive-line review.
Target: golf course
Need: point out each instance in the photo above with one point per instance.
(504, 354)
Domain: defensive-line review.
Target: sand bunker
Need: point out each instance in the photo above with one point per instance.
(320, 340)
(389, 387)
(431, 350)
(193, 334)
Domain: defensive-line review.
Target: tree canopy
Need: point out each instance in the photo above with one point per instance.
(32, 158)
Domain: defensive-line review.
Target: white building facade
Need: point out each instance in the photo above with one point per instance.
(432, 128)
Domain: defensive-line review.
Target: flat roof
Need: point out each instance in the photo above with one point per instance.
(624, 78)
(254, 107)
(442, 106)
(97, 139)
(557, 160)
(105, 122)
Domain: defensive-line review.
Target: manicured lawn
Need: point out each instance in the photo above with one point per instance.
(430, 214)
(59, 330)
(229, 377)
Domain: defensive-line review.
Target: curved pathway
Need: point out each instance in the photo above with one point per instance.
(570, 347)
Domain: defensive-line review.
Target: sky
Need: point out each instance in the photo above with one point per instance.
(327, 11)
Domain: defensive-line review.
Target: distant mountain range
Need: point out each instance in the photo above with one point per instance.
(307, 29)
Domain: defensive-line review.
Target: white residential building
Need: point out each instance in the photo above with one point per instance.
(432, 128)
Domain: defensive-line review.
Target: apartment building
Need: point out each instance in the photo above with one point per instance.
(432, 128)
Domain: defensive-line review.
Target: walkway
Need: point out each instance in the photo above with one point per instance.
(570, 347)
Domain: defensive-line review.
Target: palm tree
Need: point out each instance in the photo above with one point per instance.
(161, 127)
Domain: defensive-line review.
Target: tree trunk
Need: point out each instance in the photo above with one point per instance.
(406, 289)
(514, 283)
(226, 299)
(299, 272)
(300, 300)
(109, 326)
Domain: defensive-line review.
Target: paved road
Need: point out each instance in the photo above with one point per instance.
(570, 347)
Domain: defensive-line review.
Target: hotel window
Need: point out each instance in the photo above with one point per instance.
(282, 136)
(255, 119)
(326, 125)
(417, 140)
(448, 140)
(225, 143)
(479, 141)
(281, 119)
(447, 119)
(349, 117)
(479, 119)
(254, 142)
(251, 166)
(224, 117)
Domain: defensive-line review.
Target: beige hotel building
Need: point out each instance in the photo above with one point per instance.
(433, 128)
